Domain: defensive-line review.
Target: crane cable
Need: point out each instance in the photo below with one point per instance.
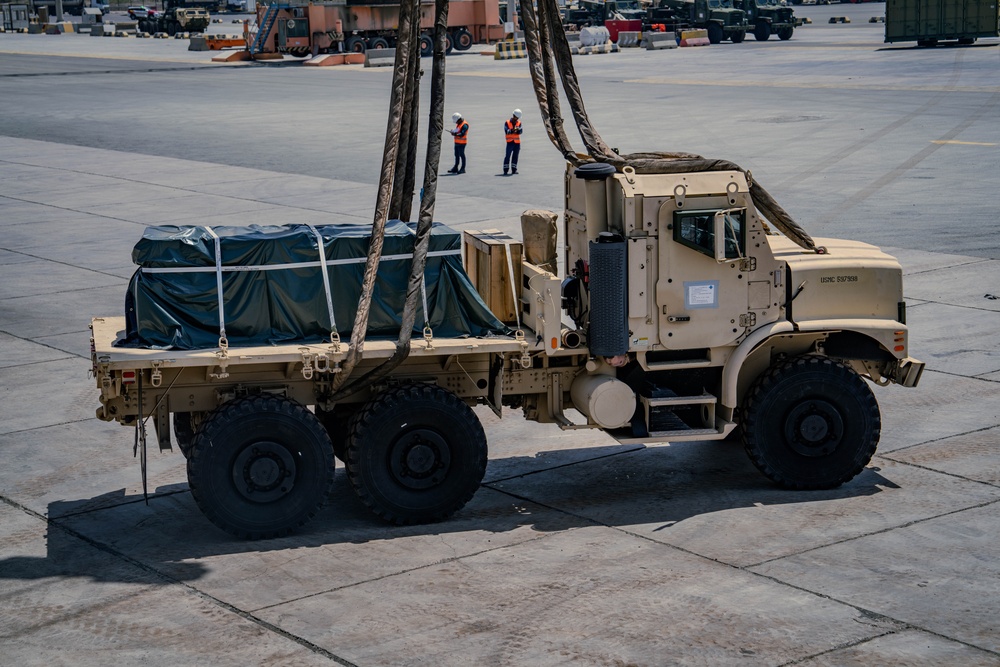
(546, 42)
(405, 102)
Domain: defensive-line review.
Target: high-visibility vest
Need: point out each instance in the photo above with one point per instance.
(462, 128)
(513, 131)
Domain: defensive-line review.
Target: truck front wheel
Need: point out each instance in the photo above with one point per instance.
(715, 33)
(416, 454)
(762, 31)
(260, 466)
(811, 423)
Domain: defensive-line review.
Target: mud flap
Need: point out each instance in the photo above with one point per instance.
(494, 391)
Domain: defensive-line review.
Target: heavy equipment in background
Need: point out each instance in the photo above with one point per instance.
(615, 15)
(768, 17)
(689, 306)
(301, 28)
(74, 7)
(177, 19)
(929, 22)
(718, 17)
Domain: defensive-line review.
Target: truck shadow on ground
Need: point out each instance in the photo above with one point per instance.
(647, 490)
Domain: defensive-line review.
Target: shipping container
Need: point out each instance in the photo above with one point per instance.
(928, 22)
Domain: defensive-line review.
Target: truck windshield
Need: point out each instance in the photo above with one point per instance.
(720, 4)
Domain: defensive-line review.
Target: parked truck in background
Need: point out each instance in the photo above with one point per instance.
(304, 28)
(718, 17)
(177, 19)
(768, 17)
(928, 22)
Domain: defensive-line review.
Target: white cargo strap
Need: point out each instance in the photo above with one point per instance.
(334, 334)
(223, 341)
(428, 333)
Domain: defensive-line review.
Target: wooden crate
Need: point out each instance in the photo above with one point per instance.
(484, 254)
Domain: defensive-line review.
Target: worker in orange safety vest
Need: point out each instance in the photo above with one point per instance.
(461, 134)
(512, 132)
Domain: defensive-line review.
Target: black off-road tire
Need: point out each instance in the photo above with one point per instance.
(416, 454)
(738, 37)
(426, 45)
(810, 423)
(762, 31)
(355, 44)
(378, 43)
(462, 39)
(785, 34)
(715, 33)
(261, 466)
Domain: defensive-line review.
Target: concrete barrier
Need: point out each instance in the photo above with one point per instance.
(232, 56)
(840, 19)
(629, 38)
(694, 38)
(198, 43)
(653, 41)
(380, 57)
(510, 51)
(599, 48)
(326, 60)
(877, 19)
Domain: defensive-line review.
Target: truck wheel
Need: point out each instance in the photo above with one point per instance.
(355, 44)
(260, 466)
(762, 31)
(426, 45)
(378, 43)
(462, 39)
(715, 33)
(811, 423)
(738, 37)
(416, 454)
(785, 34)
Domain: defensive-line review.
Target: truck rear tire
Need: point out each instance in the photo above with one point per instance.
(183, 432)
(811, 423)
(426, 45)
(378, 43)
(462, 39)
(416, 454)
(715, 33)
(785, 34)
(261, 466)
(355, 44)
(738, 37)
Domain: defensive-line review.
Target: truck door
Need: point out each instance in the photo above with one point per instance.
(701, 292)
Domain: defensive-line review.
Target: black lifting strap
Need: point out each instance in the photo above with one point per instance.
(395, 194)
(546, 42)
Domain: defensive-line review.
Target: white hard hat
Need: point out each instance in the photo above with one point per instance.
(455, 117)
(517, 113)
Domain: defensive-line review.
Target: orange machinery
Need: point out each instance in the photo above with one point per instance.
(309, 28)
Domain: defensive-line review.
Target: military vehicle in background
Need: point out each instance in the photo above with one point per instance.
(929, 22)
(177, 19)
(768, 17)
(594, 13)
(718, 17)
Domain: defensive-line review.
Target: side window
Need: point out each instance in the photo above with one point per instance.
(696, 229)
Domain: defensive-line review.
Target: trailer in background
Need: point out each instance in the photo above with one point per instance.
(928, 22)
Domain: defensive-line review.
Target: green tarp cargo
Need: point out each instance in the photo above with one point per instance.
(265, 285)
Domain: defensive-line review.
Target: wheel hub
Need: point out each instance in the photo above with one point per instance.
(264, 472)
(814, 428)
(420, 459)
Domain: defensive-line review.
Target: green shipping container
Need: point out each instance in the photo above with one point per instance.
(929, 21)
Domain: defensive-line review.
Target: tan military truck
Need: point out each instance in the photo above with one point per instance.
(679, 316)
